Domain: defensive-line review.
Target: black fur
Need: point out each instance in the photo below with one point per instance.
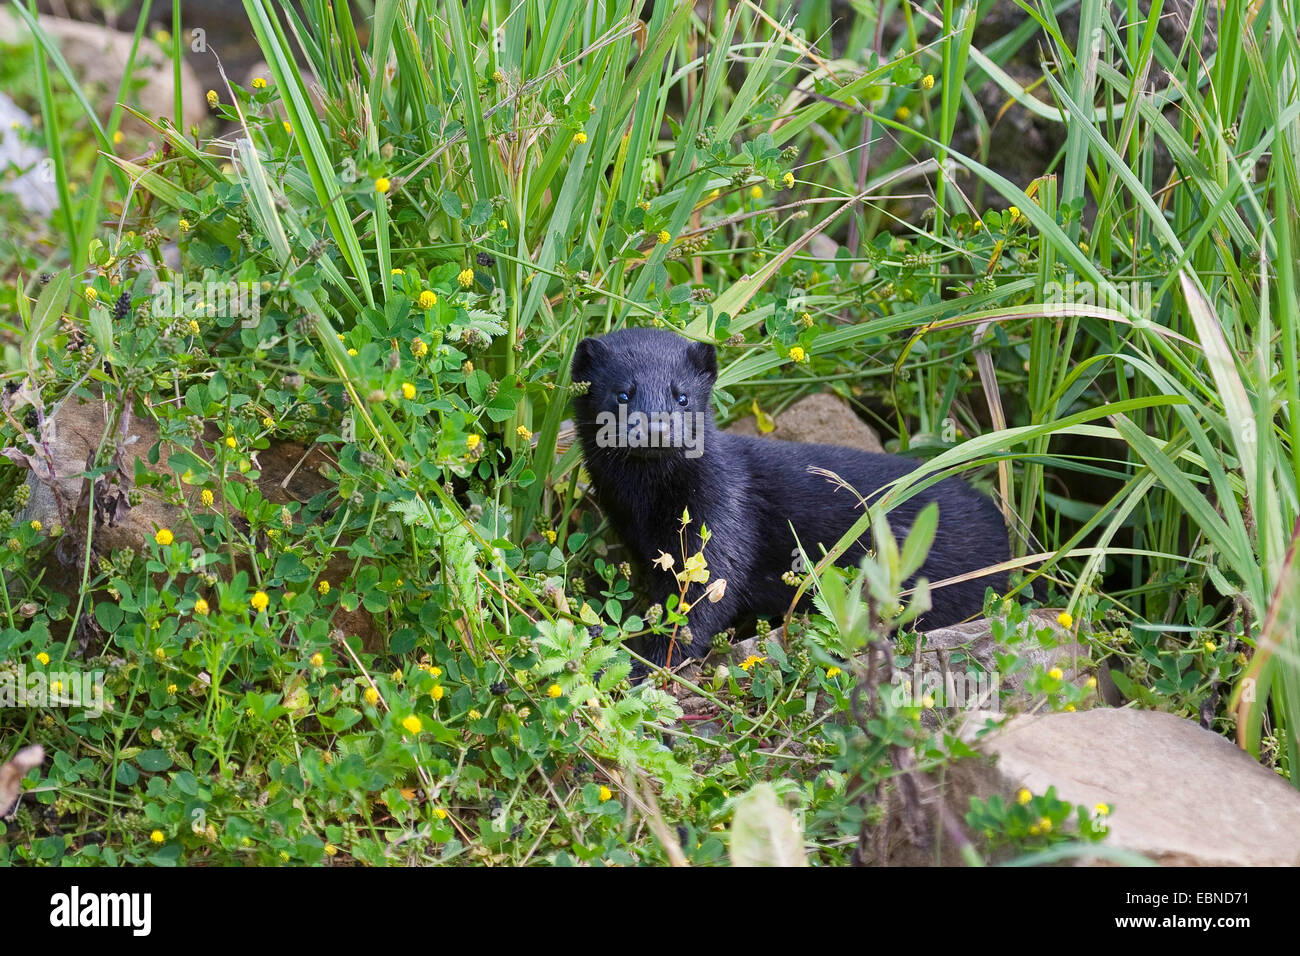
(748, 490)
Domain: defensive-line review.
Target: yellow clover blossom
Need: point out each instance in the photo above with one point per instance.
(36, 526)
(383, 184)
(413, 724)
(555, 690)
(788, 180)
(664, 237)
(1065, 619)
(472, 441)
(259, 83)
(317, 660)
(605, 793)
(259, 601)
(833, 672)
(797, 354)
(164, 537)
(323, 587)
(206, 497)
(1023, 796)
(438, 692)
(756, 192)
(465, 277)
(213, 99)
(419, 348)
(927, 81)
(580, 137)
(427, 299)
(200, 606)
(43, 658)
(371, 696)
(157, 836)
(523, 432)
(408, 391)
(1056, 673)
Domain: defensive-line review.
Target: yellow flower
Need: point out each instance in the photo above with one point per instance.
(473, 714)
(1023, 796)
(550, 536)
(664, 238)
(56, 687)
(498, 76)
(397, 272)
(183, 225)
(259, 601)
(465, 277)
(43, 658)
(977, 225)
(413, 724)
(1090, 683)
(695, 570)
(427, 299)
(408, 391)
(205, 496)
(1211, 646)
(397, 676)
(288, 127)
(438, 692)
(259, 83)
(1014, 211)
(91, 294)
(213, 98)
(1102, 809)
(171, 689)
(164, 537)
(756, 192)
(788, 180)
(331, 849)
(157, 836)
(118, 136)
(200, 606)
(1069, 708)
(440, 813)
(194, 327)
(833, 672)
(797, 354)
(643, 205)
(162, 37)
(353, 353)
(555, 690)
(323, 587)
(317, 660)
(902, 113)
(748, 663)
(36, 526)
(160, 653)
(1045, 824)
(927, 81)
(1055, 673)
(1065, 619)
(605, 793)
(580, 137)
(382, 184)
(472, 441)
(230, 441)
(371, 696)
(523, 432)
(419, 348)
(503, 224)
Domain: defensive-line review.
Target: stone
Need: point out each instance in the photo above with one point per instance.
(98, 56)
(31, 186)
(1178, 794)
(821, 419)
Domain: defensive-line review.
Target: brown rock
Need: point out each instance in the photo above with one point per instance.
(822, 419)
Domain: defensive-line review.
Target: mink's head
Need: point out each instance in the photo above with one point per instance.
(648, 395)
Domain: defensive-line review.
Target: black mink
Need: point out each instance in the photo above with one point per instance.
(652, 450)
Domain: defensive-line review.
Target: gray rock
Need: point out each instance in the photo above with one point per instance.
(1178, 794)
(98, 56)
(32, 187)
(822, 419)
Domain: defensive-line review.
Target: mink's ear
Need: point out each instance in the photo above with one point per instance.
(704, 357)
(588, 353)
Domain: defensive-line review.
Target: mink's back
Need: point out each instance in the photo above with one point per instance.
(780, 491)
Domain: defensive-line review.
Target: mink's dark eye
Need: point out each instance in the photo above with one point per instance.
(682, 400)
